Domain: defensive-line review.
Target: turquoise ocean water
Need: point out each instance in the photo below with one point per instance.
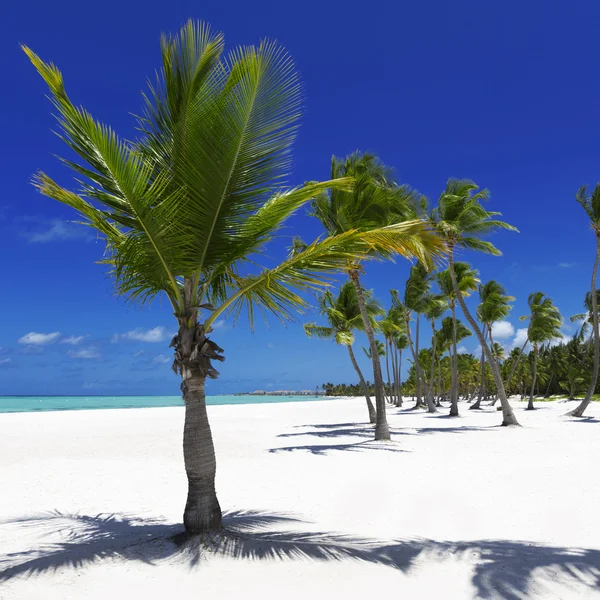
(10, 404)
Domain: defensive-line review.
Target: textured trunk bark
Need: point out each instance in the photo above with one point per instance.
(418, 402)
(394, 361)
(388, 347)
(202, 510)
(454, 381)
(508, 416)
(430, 399)
(481, 394)
(382, 430)
(530, 405)
(363, 384)
(578, 412)
(399, 401)
(438, 402)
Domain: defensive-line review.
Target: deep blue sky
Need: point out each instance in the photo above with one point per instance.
(505, 93)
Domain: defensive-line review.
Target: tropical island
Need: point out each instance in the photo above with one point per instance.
(453, 473)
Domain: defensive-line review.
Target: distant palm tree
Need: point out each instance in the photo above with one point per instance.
(435, 308)
(375, 202)
(416, 299)
(450, 333)
(460, 219)
(184, 208)
(467, 280)
(380, 349)
(344, 318)
(493, 307)
(391, 327)
(400, 343)
(591, 205)
(544, 325)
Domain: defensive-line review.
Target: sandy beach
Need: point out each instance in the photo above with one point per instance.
(455, 508)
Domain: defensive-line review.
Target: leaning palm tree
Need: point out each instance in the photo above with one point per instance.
(416, 300)
(544, 325)
(343, 319)
(375, 202)
(460, 219)
(435, 308)
(494, 306)
(183, 208)
(588, 316)
(467, 280)
(400, 343)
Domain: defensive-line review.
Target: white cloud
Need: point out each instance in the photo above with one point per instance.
(84, 353)
(72, 339)
(563, 339)
(502, 330)
(566, 265)
(56, 231)
(5, 361)
(520, 338)
(161, 359)
(39, 339)
(158, 334)
(462, 350)
(138, 353)
(270, 345)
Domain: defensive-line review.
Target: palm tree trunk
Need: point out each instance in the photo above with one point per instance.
(418, 375)
(387, 369)
(439, 384)
(477, 405)
(530, 405)
(430, 399)
(508, 416)
(418, 402)
(399, 376)
(202, 510)
(578, 412)
(454, 381)
(363, 384)
(382, 430)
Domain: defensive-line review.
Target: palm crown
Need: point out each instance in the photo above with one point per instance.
(184, 207)
(461, 219)
(343, 315)
(467, 279)
(591, 205)
(544, 321)
(495, 303)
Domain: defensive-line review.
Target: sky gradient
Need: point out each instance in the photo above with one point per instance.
(502, 93)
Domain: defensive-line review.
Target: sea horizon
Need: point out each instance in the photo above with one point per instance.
(47, 403)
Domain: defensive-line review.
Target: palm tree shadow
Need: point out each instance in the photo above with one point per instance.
(365, 434)
(500, 568)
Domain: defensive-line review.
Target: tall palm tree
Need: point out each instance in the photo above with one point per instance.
(376, 202)
(494, 306)
(449, 334)
(344, 318)
(436, 307)
(460, 219)
(416, 299)
(184, 207)
(591, 205)
(400, 343)
(466, 280)
(544, 325)
(391, 327)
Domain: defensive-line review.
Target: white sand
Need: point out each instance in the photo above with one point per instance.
(452, 508)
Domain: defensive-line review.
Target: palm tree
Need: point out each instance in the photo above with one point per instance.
(391, 327)
(544, 325)
(375, 203)
(493, 307)
(591, 205)
(184, 207)
(416, 299)
(460, 219)
(450, 333)
(400, 343)
(467, 280)
(436, 307)
(343, 318)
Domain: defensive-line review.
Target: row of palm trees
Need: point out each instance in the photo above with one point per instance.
(187, 209)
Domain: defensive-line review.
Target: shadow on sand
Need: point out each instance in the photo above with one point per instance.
(500, 569)
(363, 433)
